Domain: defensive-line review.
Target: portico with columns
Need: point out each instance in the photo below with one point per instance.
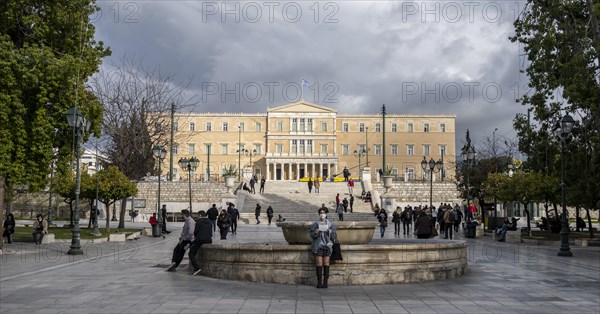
(293, 169)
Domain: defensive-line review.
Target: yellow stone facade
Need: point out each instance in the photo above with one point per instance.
(302, 139)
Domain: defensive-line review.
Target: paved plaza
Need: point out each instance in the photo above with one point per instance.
(130, 278)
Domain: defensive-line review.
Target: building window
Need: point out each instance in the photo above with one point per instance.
(224, 149)
(309, 146)
(411, 173)
(410, 149)
(361, 127)
(442, 148)
(426, 151)
(394, 127)
(258, 148)
(294, 146)
(324, 149)
(323, 126)
(208, 126)
(175, 126)
(279, 148)
(426, 127)
(242, 126)
(377, 127)
(344, 127)
(192, 126)
(409, 128)
(258, 127)
(207, 148)
(302, 147)
(309, 125)
(175, 149)
(378, 149)
(394, 149)
(345, 149)
(294, 124)
(225, 126)
(362, 148)
(279, 126)
(443, 127)
(302, 129)
(241, 147)
(191, 148)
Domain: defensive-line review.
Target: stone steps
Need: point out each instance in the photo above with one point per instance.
(250, 218)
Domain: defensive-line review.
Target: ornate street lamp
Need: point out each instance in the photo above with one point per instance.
(360, 154)
(189, 165)
(468, 158)
(562, 130)
(160, 153)
(433, 167)
(80, 125)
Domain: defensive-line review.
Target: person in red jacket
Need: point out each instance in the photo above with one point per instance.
(152, 220)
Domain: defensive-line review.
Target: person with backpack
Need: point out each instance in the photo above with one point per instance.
(396, 218)
(270, 214)
(459, 217)
(212, 214)
(449, 219)
(406, 221)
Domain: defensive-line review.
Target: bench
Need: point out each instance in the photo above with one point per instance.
(48, 238)
(148, 231)
(117, 237)
(513, 236)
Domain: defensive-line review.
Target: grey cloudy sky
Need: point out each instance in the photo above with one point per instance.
(449, 57)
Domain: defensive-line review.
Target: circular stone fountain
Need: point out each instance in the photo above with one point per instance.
(389, 261)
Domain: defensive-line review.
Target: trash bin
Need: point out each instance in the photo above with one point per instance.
(471, 230)
(157, 230)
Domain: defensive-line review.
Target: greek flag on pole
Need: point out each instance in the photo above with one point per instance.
(305, 83)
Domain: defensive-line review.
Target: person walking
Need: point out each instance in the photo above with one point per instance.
(350, 186)
(234, 214)
(9, 227)
(163, 212)
(337, 200)
(382, 217)
(252, 183)
(345, 205)
(224, 222)
(396, 219)
(185, 239)
(351, 203)
(317, 185)
(257, 213)
(440, 219)
(270, 214)
(202, 234)
(310, 185)
(212, 214)
(323, 234)
(340, 211)
(423, 225)
(459, 217)
(407, 218)
(346, 173)
(40, 226)
(262, 185)
(449, 218)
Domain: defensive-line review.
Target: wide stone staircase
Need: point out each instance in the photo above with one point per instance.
(292, 201)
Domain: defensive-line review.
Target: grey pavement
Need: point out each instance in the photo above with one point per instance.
(130, 278)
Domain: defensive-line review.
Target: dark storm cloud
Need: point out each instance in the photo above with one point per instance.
(416, 57)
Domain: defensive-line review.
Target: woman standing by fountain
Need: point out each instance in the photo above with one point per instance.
(323, 234)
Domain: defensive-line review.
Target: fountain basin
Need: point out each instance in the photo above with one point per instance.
(348, 232)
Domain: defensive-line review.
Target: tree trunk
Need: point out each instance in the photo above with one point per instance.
(556, 211)
(547, 215)
(528, 218)
(107, 207)
(1, 210)
(122, 213)
(589, 218)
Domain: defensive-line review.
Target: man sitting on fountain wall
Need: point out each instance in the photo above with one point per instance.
(323, 234)
(202, 234)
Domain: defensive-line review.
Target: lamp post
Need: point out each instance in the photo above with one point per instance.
(367, 146)
(383, 113)
(468, 157)
(80, 125)
(160, 153)
(250, 153)
(239, 151)
(562, 130)
(189, 165)
(96, 231)
(433, 167)
(359, 154)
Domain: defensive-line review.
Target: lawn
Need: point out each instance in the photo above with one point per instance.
(64, 233)
(543, 235)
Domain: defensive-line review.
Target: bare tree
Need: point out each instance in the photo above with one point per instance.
(138, 102)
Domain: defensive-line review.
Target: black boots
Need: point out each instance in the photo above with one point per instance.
(319, 277)
(325, 276)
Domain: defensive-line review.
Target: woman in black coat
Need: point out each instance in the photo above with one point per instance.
(224, 222)
(9, 227)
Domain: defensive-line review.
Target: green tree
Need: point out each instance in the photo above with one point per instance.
(113, 186)
(47, 53)
(562, 42)
(64, 185)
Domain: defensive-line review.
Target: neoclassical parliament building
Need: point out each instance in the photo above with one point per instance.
(303, 139)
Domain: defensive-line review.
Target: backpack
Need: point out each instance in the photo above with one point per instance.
(452, 216)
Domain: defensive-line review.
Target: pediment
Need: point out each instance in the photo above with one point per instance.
(301, 107)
